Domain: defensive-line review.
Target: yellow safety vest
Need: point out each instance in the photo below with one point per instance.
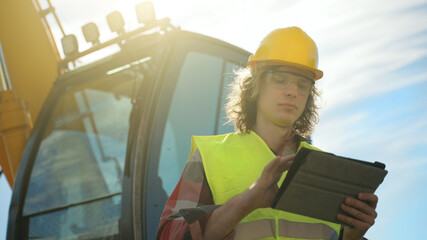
(232, 163)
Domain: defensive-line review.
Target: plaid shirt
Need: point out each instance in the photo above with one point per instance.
(191, 192)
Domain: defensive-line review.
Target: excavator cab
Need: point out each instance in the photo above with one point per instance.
(113, 137)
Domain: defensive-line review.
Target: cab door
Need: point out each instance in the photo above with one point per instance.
(191, 98)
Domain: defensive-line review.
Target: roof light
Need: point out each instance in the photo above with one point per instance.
(145, 12)
(70, 45)
(116, 22)
(91, 33)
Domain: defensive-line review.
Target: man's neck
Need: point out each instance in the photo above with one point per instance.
(273, 135)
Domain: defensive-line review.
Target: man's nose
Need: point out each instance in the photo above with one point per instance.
(291, 89)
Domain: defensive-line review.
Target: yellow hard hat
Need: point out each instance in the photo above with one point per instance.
(290, 47)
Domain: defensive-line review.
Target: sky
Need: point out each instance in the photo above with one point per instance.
(374, 57)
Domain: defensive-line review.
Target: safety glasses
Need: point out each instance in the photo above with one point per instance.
(284, 79)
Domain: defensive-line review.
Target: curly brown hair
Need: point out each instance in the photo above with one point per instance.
(241, 107)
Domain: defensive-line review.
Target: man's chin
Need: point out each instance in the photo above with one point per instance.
(285, 124)
(285, 120)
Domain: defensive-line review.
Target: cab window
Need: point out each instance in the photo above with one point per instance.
(76, 182)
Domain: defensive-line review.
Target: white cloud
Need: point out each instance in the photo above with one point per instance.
(335, 134)
(366, 49)
(390, 142)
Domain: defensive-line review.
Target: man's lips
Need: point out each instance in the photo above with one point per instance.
(288, 106)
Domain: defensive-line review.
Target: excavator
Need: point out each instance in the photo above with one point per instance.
(110, 136)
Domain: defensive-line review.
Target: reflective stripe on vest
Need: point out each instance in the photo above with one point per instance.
(264, 229)
(233, 162)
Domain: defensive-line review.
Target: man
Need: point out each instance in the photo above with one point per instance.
(272, 106)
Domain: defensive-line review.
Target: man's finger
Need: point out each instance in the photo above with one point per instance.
(278, 162)
(361, 206)
(286, 165)
(288, 157)
(370, 198)
(359, 215)
(362, 226)
(283, 163)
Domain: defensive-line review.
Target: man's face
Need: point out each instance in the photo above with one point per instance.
(282, 97)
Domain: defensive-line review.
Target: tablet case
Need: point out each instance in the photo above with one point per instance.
(318, 182)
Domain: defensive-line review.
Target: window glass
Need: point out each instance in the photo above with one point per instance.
(223, 126)
(193, 111)
(95, 220)
(75, 186)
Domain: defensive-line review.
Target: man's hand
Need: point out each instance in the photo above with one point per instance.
(363, 215)
(263, 191)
